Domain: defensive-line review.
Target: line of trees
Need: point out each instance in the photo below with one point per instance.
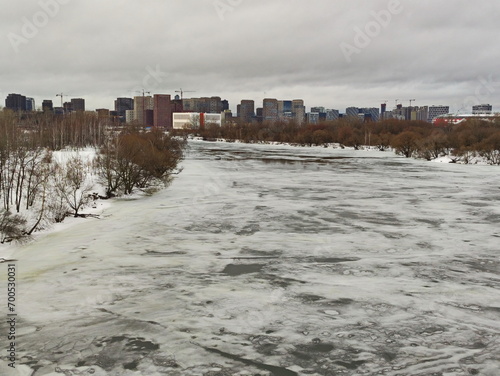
(37, 190)
(417, 139)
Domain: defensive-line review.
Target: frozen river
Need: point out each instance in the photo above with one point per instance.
(273, 260)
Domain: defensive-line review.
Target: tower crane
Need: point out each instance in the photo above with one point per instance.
(62, 98)
(184, 91)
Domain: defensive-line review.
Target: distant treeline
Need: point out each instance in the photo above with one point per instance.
(409, 138)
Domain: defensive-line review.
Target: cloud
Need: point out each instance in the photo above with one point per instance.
(435, 51)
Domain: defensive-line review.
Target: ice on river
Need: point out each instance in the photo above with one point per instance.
(273, 260)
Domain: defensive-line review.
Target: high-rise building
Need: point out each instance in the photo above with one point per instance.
(332, 115)
(318, 109)
(67, 107)
(482, 109)
(213, 105)
(15, 102)
(312, 117)
(435, 111)
(270, 109)
(284, 109)
(47, 105)
(216, 106)
(352, 112)
(298, 111)
(420, 113)
(225, 105)
(30, 104)
(78, 104)
(383, 109)
(149, 118)
(141, 104)
(103, 113)
(162, 111)
(177, 104)
(122, 105)
(246, 110)
(259, 114)
(371, 113)
(227, 117)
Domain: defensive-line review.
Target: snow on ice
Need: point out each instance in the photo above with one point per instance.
(273, 260)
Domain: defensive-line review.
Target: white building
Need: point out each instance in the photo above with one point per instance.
(129, 116)
(213, 119)
(483, 109)
(193, 120)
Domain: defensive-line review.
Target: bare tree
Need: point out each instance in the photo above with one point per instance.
(71, 182)
(11, 226)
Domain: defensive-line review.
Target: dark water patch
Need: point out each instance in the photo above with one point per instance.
(302, 355)
(388, 356)
(140, 345)
(381, 218)
(234, 270)
(493, 218)
(310, 298)
(316, 348)
(275, 371)
(492, 309)
(281, 281)
(261, 207)
(432, 330)
(350, 365)
(308, 213)
(433, 223)
(476, 204)
(132, 366)
(484, 266)
(341, 301)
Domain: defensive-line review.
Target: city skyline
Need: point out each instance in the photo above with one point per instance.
(331, 54)
(255, 105)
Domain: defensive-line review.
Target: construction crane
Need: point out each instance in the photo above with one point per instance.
(396, 103)
(62, 98)
(62, 95)
(184, 91)
(143, 91)
(411, 100)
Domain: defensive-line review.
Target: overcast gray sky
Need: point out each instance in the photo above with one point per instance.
(331, 53)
